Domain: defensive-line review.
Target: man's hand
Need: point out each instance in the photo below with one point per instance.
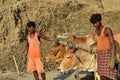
(112, 63)
(57, 41)
(92, 51)
(70, 45)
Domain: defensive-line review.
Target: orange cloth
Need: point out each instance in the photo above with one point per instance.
(35, 64)
(103, 43)
(34, 44)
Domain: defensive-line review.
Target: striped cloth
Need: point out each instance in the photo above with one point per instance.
(103, 60)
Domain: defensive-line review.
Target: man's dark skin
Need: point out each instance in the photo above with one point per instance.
(107, 33)
(31, 29)
(98, 25)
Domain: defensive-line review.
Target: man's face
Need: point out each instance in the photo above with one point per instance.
(97, 24)
(31, 29)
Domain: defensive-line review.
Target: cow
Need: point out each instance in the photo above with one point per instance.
(79, 59)
(56, 53)
(86, 61)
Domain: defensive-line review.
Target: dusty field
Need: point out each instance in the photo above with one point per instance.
(25, 76)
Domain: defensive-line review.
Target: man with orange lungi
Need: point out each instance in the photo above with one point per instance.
(35, 64)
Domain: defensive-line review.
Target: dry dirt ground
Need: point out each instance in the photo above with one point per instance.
(7, 75)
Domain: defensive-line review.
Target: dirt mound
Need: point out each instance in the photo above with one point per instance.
(52, 17)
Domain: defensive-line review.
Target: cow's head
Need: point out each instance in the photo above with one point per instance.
(68, 62)
(56, 53)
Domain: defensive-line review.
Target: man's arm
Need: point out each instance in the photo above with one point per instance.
(112, 41)
(40, 35)
(113, 50)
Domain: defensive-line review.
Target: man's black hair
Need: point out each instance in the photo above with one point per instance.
(95, 17)
(31, 23)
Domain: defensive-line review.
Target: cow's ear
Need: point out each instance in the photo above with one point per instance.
(92, 45)
(72, 38)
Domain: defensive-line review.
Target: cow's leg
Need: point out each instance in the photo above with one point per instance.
(97, 76)
(77, 75)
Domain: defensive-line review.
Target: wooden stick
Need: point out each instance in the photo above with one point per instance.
(16, 65)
